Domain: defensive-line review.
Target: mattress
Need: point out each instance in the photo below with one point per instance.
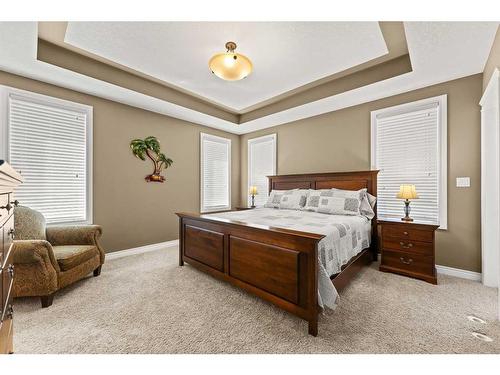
(345, 237)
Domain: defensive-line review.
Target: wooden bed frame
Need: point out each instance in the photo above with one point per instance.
(275, 264)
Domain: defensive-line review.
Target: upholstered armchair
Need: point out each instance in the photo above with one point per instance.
(47, 259)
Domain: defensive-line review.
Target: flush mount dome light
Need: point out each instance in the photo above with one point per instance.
(230, 66)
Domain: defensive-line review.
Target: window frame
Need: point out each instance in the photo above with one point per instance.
(223, 140)
(6, 92)
(442, 151)
(249, 160)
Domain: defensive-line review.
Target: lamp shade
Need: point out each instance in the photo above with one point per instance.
(230, 66)
(407, 192)
(253, 190)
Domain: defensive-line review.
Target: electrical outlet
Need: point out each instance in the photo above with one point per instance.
(463, 181)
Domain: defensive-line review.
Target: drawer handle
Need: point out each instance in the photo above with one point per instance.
(10, 270)
(8, 206)
(403, 260)
(410, 245)
(405, 233)
(11, 233)
(10, 312)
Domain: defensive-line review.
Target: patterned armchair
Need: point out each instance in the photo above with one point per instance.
(47, 259)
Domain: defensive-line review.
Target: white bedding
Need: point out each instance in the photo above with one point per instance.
(345, 237)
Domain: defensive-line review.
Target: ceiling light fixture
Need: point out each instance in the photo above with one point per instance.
(229, 65)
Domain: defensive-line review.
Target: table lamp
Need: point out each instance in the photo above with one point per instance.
(253, 193)
(407, 192)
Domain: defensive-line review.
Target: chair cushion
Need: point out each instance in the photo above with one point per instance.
(29, 224)
(70, 256)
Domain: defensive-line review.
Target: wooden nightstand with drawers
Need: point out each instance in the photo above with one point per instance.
(408, 248)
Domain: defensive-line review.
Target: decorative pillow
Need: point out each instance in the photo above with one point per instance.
(367, 201)
(366, 207)
(334, 201)
(372, 200)
(293, 199)
(313, 198)
(274, 199)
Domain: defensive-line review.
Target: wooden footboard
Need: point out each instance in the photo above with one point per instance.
(277, 265)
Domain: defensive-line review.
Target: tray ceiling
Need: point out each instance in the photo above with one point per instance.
(286, 55)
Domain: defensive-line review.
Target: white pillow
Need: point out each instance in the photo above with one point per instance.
(367, 201)
(293, 199)
(287, 199)
(366, 207)
(371, 199)
(274, 199)
(335, 201)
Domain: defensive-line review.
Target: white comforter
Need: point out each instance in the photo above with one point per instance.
(345, 237)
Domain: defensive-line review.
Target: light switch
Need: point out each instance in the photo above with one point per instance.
(463, 181)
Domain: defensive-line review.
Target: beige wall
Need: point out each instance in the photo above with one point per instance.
(493, 60)
(340, 141)
(131, 211)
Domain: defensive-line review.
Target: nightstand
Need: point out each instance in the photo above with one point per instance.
(244, 208)
(408, 248)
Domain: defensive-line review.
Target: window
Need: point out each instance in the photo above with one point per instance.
(409, 147)
(215, 173)
(261, 163)
(48, 141)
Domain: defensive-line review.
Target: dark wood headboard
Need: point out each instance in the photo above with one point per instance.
(340, 180)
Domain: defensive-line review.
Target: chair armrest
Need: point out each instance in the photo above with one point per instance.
(34, 251)
(73, 235)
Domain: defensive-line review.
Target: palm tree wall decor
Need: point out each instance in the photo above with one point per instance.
(150, 147)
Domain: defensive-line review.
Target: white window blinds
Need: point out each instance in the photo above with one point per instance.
(215, 173)
(47, 144)
(409, 147)
(261, 163)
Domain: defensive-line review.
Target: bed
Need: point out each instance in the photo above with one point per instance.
(273, 253)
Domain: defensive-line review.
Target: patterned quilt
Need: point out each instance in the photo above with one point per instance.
(345, 237)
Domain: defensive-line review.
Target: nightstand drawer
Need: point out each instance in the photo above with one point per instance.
(400, 231)
(413, 263)
(404, 245)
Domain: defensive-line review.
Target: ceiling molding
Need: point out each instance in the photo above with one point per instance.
(71, 60)
(176, 53)
(53, 33)
(395, 40)
(376, 73)
(76, 62)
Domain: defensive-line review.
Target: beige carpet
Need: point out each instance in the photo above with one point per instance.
(147, 304)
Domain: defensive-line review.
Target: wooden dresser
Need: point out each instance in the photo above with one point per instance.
(9, 180)
(408, 248)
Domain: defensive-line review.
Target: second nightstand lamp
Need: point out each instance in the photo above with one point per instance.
(407, 192)
(253, 193)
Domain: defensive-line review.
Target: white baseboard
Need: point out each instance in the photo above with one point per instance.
(457, 272)
(141, 249)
